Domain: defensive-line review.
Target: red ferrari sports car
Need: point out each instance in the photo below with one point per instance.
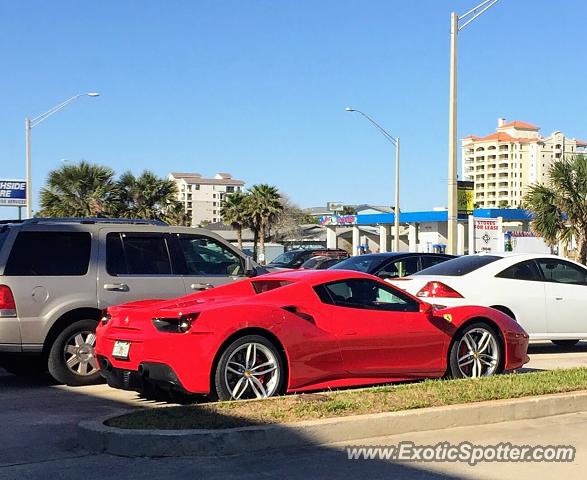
(296, 331)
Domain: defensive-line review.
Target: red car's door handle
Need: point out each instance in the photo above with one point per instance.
(349, 332)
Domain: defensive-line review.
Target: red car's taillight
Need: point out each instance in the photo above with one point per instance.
(438, 290)
(105, 316)
(175, 324)
(7, 304)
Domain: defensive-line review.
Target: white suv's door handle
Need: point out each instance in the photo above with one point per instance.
(558, 298)
(201, 286)
(116, 287)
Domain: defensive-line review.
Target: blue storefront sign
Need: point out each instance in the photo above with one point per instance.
(12, 193)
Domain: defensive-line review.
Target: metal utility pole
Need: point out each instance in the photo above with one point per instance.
(467, 18)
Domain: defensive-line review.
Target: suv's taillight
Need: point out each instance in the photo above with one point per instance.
(438, 290)
(7, 305)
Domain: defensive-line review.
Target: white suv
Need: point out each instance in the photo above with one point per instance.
(56, 275)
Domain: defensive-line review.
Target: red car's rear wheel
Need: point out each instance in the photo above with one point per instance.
(250, 367)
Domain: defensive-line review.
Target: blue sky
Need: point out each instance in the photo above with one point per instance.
(258, 88)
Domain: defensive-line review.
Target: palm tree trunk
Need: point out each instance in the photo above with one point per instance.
(582, 247)
(262, 240)
(239, 237)
(255, 242)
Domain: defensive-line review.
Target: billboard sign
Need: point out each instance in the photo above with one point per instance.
(334, 206)
(465, 198)
(340, 220)
(12, 193)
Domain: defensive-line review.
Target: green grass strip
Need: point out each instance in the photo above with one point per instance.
(388, 398)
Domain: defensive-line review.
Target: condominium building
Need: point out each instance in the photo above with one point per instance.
(202, 197)
(503, 164)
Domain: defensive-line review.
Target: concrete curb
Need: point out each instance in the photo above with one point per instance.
(97, 437)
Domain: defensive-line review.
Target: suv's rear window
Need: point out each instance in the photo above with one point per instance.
(128, 254)
(459, 266)
(49, 254)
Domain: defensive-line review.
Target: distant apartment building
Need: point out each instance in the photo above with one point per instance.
(503, 164)
(202, 197)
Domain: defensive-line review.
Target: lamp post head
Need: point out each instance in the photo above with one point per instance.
(349, 109)
(93, 94)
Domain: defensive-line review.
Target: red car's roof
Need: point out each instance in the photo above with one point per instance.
(314, 277)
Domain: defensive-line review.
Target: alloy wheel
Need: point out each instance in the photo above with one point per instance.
(478, 353)
(252, 371)
(79, 353)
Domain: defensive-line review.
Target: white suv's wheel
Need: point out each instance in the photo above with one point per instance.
(72, 359)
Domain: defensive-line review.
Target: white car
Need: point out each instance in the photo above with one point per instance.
(545, 294)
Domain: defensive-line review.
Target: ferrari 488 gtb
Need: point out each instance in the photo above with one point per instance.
(297, 331)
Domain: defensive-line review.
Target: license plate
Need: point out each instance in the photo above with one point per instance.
(121, 349)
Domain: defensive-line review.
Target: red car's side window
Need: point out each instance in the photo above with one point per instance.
(366, 294)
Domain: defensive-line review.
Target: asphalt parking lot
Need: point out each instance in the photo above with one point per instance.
(39, 419)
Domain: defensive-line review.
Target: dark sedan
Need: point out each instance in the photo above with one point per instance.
(391, 265)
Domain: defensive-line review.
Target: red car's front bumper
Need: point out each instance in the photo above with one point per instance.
(516, 354)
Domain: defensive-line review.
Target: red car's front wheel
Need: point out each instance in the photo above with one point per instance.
(250, 367)
(476, 352)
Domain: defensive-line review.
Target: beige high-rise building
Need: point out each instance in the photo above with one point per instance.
(503, 164)
(202, 197)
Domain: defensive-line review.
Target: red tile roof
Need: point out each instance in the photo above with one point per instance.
(581, 143)
(502, 137)
(520, 125)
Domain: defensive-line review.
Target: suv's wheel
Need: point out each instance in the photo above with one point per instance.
(565, 343)
(250, 367)
(72, 359)
(475, 352)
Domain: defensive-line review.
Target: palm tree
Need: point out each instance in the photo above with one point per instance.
(148, 196)
(264, 207)
(81, 190)
(235, 212)
(348, 210)
(560, 206)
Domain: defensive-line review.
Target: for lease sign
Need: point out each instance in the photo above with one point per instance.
(12, 193)
(487, 235)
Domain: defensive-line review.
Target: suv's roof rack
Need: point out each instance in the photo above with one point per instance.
(6, 222)
(91, 220)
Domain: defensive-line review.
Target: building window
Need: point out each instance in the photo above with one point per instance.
(197, 186)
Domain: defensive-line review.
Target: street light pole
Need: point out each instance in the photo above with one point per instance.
(452, 118)
(396, 142)
(28, 125)
(29, 195)
(396, 208)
